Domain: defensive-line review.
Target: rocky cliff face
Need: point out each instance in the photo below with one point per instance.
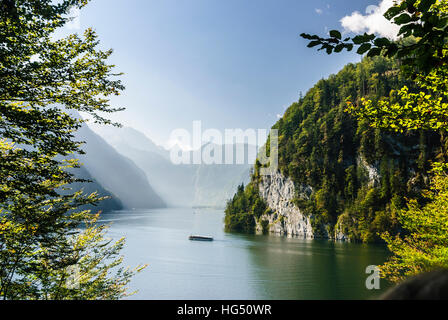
(286, 218)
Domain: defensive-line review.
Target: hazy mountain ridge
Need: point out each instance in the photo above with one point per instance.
(116, 173)
(184, 185)
(215, 184)
(107, 205)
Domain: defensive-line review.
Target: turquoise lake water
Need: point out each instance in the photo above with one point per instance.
(236, 266)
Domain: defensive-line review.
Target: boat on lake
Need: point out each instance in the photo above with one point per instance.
(200, 238)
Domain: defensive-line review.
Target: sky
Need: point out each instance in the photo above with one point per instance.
(227, 63)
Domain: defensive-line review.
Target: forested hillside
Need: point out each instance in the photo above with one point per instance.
(359, 176)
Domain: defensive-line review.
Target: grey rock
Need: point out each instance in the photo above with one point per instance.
(287, 218)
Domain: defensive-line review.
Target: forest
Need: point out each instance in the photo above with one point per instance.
(326, 148)
(371, 143)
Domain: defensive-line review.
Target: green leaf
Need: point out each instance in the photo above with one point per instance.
(339, 48)
(335, 34)
(392, 50)
(406, 30)
(359, 39)
(382, 42)
(309, 37)
(364, 48)
(403, 19)
(392, 12)
(425, 5)
(418, 31)
(313, 44)
(374, 52)
(410, 3)
(370, 37)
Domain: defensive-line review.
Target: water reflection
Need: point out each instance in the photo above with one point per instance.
(312, 269)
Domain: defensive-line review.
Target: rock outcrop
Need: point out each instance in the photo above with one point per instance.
(286, 218)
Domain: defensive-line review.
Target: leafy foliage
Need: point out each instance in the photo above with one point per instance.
(43, 233)
(406, 110)
(423, 246)
(245, 209)
(356, 171)
(359, 174)
(426, 21)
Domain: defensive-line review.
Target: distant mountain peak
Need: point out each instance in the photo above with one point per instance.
(130, 137)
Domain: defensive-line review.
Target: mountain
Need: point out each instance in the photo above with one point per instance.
(215, 184)
(116, 173)
(129, 137)
(111, 204)
(175, 184)
(184, 185)
(339, 178)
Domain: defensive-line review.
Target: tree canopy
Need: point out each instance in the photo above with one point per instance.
(423, 53)
(44, 236)
(424, 23)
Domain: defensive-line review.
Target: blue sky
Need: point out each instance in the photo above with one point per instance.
(228, 63)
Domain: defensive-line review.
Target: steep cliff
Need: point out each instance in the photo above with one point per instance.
(286, 218)
(338, 177)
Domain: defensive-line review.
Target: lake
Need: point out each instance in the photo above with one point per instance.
(236, 266)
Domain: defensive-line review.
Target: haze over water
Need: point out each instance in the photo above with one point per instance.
(236, 266)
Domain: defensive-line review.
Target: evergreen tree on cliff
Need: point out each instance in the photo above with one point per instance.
(423, 52)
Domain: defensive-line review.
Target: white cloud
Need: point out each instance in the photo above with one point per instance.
(373, 21)
(319, 11)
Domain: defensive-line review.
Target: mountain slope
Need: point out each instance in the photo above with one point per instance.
(131, 138)
(111, 204)
(174, 183)
(116, 173)
(215, 184)
(179, 185)
(345, 179)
